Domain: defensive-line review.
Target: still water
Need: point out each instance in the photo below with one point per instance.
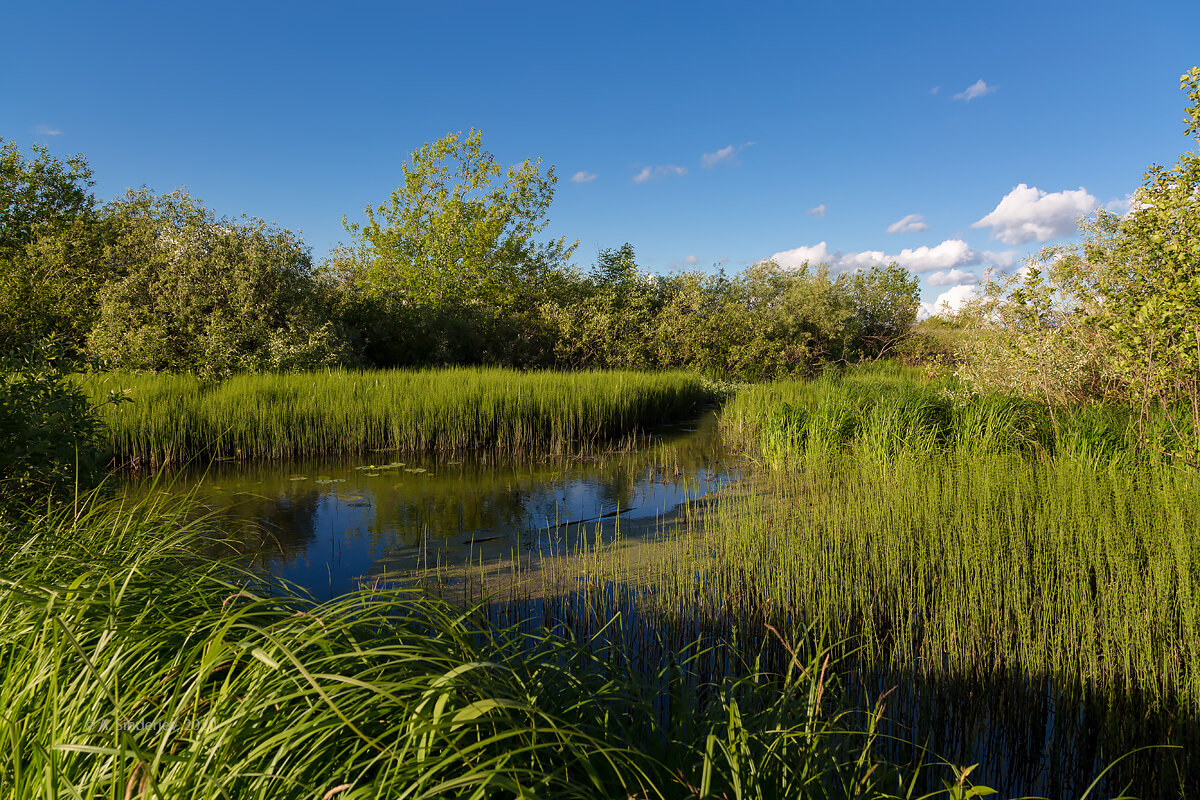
(329, 524)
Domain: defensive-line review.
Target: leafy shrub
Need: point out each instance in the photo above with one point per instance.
(208, 296)
(49, 432)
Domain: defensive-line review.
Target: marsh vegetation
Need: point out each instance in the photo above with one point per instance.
(862, 578)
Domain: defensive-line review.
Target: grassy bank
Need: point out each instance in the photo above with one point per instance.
(975, 541)
(130, 669)
(973, 533)
(173, 417)
(887, 409)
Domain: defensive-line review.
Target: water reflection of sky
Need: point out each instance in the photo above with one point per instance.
(324, 524)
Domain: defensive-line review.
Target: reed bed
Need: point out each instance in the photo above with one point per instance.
(130, 668)
(883, 409)
(175, 417)
(973, 534)
(966, 540)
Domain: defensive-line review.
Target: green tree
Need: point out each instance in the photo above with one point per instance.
(460, 227)
(883, 303)
(51, 248)
(602, 319)
(1116, 317)
(1151, 287)
(206, 295)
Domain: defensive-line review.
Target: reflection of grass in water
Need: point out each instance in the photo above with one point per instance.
(440, 410)
(553, 560)
(447, 500)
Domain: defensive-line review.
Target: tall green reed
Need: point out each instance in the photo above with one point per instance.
(972, 535)
(173, 417)
(131, 668)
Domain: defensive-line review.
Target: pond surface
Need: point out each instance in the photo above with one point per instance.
(328, 524)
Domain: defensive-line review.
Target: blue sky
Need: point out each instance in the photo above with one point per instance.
(716, 134)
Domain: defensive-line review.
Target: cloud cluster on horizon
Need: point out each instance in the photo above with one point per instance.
(1028, 214)
(948, 255)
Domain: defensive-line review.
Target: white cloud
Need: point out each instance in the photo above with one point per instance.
(655, 172)
(798, 257)
(1120, 205)
(976, 89)
(913, 223)
(947, 255)
(817, 211)
(691, 259)
(1027, 213)
(950, 300)
(583, 176)
(724, 154)
(727, 154)
(949, 277)
(46, 130)
(935, 90)
(1002, 259)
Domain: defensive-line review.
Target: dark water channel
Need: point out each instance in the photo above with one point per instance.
(330, 524)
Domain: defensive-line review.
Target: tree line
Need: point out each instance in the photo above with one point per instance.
(450, 269)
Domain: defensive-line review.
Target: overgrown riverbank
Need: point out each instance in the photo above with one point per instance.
(982, 558)
(174, 417)
(983, 541)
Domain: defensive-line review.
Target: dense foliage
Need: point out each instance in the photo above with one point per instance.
(192, 293)
(50, 434)
(1113, 318)
(448, 271)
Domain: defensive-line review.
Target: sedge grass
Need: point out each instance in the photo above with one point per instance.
(953, 534)
(130, 668)
(174, 417)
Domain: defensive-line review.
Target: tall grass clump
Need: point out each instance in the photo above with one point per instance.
(173, 417)
(881, 410)
(976, 541)
(131, 668)
(974, 536)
